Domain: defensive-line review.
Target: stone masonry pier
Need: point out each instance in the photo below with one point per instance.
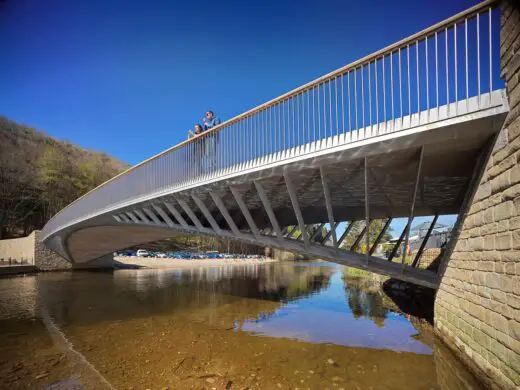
(477, 308)
(34, 254)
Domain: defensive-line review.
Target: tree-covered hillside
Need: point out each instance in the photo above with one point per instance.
(40, 175)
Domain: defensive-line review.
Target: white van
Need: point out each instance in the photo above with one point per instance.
(142, 253)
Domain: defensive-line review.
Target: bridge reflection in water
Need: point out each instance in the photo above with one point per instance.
(253, 326)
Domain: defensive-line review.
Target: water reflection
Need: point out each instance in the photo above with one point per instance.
(18, 298)
(179, 328)
(365, 299)
(349, 312)
(77, 298)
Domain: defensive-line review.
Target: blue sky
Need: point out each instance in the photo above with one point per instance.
(130, 77)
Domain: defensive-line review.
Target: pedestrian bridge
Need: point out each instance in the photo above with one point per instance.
(403, 132)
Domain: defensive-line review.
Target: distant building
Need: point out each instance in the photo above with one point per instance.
(438, 237)
(436, 240)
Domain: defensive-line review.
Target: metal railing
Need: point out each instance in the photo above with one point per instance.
(447, 70)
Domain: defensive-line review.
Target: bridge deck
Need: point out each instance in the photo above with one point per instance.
(451, 149)
(358, 144)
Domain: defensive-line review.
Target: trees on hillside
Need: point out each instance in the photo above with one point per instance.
(62, 180)
(19, 203)
(40, 175)
(56, 178)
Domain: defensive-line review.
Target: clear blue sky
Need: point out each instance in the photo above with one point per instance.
(130, 77)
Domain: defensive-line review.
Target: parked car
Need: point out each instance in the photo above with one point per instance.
(125, 253)
(142, 253)
(161, 255)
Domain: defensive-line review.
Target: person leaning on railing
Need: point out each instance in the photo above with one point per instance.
(210, 144)
(198, 146)
(197, 129)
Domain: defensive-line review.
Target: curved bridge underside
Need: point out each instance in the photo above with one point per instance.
(429, 170)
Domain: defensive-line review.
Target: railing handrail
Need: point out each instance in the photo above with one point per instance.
(353, 65)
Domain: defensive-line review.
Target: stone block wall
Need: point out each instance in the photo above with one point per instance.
(42, 258)
(47, 260)
(477, 307)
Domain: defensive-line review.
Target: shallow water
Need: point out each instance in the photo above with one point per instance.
(270, 326)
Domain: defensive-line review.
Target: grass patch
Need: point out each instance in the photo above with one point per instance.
(356, 272)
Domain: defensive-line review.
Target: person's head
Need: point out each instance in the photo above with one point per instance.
(209, 115)
(198, 128)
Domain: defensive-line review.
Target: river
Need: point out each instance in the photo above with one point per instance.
(269, 326)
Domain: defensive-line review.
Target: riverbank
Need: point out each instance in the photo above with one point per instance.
(154, 262)
(6, 270)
